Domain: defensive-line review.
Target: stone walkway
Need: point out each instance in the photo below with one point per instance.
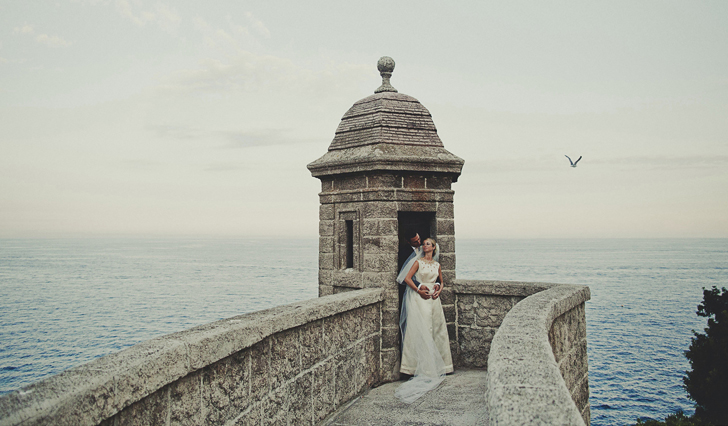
(459, 400)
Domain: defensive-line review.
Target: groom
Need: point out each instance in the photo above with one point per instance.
(409, 251)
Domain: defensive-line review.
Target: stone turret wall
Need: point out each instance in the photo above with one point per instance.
(293, 364)
(567, 337)
(537, 361)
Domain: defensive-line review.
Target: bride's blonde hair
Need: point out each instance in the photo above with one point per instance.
(434, 245)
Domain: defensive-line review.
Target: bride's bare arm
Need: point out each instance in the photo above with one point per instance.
(423, 291)
(438, 287)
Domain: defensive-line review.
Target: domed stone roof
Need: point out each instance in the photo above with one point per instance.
(386, 117)
(386, 131)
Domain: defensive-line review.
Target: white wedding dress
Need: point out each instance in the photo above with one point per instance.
(426, 347)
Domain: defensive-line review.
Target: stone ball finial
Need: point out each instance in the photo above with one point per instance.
(385, 65)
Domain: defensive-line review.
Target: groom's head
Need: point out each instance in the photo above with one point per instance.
(413, 238)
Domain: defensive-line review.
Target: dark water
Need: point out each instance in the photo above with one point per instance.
(65, 302)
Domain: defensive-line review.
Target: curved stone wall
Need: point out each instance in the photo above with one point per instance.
(291, 364)
(537, 365)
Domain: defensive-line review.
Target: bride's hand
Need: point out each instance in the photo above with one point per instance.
(424, 292)
(436, 293)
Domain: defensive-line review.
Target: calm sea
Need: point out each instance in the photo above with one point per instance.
(65, 302)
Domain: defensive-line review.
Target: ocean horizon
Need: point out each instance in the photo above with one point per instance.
(67, 301)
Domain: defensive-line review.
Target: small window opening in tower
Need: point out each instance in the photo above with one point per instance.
(349, 243)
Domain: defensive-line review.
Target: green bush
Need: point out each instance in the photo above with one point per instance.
(677, 419)
(707, 383)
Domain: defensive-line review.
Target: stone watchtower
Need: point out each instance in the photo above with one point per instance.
(385, 170)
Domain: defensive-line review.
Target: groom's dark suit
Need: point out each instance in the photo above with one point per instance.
(405, 250)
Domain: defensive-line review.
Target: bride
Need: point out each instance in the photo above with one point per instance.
(426, 347)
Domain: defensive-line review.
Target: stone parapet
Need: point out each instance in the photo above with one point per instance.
(537, 365)
(479, 307)
(290, 364)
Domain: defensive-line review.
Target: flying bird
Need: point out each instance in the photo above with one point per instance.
(573, 163)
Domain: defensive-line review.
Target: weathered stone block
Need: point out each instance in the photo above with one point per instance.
(259, 367)
(326, 228)
(447, 261)
(390, 318)
(445, 211)
(466, 309)
(388, 226)
(358, 359)
(346, 197)
(447, 296)
(327, 184)
(184, 400)
(455, 353)
(447, 243)
(414, 181)
(384, 180)
(370, 227)
(312, 343)
(444, 196)
(151, 410)
(448, 276)
(349, 209)
(340, 331)
(439, 182)
(379, 195)
(380, 262)
(350, 182)
(416, 203)
(449, 311)
(276, 406)
(586, 414)
(445, 226)
(334, 335)
(379, 210)
(371, 362)
(474, 345)
(345, 378)
(323, 389)
(389, 371)
(226, 388)
(490, 310)
(326, 261)
(347, 278)
(391, 298)
(326, 198)
(326, 212)
(379, 227)
(376, 279)
(325, 290)
(390, 337)
(254, 416)
(381, 245)
(567, 330)
(301, 407)
(369, 321)
(325, 277)
(573, 365)
(326, 244)
(578, 328)
(580, 392)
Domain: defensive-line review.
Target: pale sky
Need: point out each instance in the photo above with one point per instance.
(162, 118)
